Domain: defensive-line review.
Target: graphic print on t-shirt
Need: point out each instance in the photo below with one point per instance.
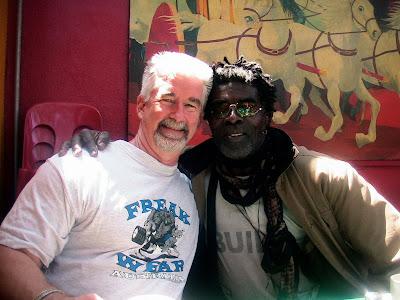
(155, 249)
(158, 236)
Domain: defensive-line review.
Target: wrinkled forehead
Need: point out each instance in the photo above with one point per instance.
(184, 85)
(233, 92)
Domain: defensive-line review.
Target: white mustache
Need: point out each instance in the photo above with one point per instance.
(174, 125)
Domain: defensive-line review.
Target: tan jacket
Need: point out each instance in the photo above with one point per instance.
(351, 225)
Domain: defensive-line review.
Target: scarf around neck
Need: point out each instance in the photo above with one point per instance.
(279, 244)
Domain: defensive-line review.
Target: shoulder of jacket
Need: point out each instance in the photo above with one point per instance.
(313, 161)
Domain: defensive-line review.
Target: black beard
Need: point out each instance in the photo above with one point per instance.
(249, 160)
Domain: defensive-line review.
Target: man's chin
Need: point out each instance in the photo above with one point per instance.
(237, 152)
(170, 145)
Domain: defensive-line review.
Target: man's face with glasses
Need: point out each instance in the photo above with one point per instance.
(236, 119)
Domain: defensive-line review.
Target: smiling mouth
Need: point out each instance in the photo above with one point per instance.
(172, 133)
(235, 135)
(172, 129)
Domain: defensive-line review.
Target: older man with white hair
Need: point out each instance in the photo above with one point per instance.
(121, 225)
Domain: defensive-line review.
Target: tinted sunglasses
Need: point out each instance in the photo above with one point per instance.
(245, 108)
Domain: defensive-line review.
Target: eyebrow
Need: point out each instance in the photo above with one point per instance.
(248, 99)
(191, 99)
(168, 94)
(195, 100)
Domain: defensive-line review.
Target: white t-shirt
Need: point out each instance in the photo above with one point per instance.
(120, 225)
(239, 234)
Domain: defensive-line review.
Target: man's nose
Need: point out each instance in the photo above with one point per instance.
(233, 117)
(178, 112)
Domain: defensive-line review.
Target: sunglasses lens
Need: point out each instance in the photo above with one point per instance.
(220, 110)
(246, 109)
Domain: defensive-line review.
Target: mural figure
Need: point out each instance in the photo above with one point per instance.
(328, 53)
(335, 52)
(264, 37)
(282, 47)
(141, 17)
(382, 56)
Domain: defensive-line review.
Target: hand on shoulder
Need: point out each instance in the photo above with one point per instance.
(90, 140)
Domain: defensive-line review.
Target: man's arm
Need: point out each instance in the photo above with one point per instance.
(36, 223)
(91, 140)
(21, 277)
(369, 223)
(20, 274)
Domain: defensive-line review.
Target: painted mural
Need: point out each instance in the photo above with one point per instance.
(336, 64)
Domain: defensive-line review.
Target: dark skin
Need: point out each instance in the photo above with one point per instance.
(235, 136)
(91, 140)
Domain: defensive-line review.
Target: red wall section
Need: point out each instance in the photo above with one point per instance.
(77, 51)
(9, 95)
(73, 51)
(384, 175)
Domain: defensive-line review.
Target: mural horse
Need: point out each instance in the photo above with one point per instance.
(334, 55)
(264, 37)
(381, 58)
(312, 10)
(293, 52)
(330, 61)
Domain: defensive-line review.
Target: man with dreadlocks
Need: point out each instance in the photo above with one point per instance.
(282, 222)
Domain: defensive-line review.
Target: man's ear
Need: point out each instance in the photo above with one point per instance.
(140, 106)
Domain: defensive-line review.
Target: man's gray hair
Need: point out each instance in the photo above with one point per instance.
(169, 64)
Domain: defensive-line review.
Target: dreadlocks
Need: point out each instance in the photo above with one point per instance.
(248, 72)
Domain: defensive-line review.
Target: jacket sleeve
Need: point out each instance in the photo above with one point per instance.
(355, 228)
(367, 221)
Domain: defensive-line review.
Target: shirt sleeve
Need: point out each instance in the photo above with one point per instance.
(41, 218)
